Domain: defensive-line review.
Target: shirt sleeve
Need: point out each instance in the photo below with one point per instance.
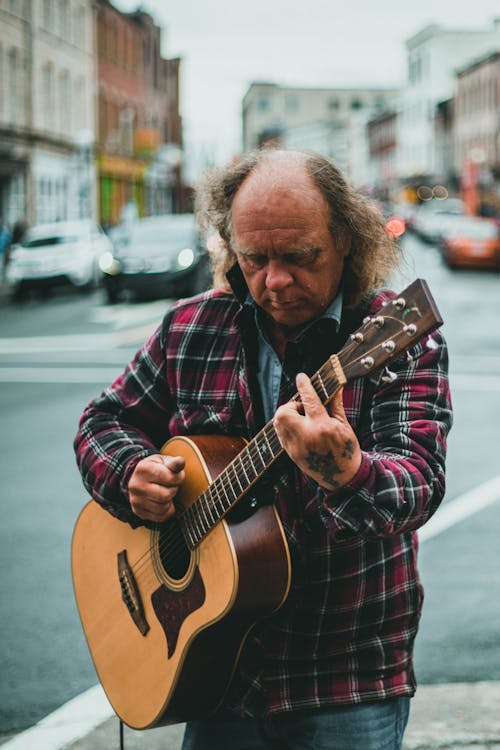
(401, 479)
(126, 423)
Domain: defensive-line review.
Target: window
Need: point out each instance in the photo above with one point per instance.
(48, 95)
(1, 82)
(356, 104)
(78, 109)
(262, 104)
(64, 107)
(291, 104)
(13, 86)
(64, 19)
(48, 14)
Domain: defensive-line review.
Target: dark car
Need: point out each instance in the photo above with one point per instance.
(159, 256)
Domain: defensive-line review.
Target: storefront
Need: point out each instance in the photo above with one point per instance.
(121, 181)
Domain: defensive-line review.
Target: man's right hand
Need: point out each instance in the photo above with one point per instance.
(153, 486)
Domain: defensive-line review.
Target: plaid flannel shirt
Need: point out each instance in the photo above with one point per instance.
(345, 634)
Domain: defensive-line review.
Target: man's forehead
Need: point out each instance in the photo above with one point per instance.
(273, 176)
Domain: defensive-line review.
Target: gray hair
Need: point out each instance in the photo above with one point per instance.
(354, 222)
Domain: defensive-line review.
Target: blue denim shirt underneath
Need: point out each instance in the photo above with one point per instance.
(270, 366)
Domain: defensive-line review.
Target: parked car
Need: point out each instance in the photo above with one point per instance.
(432, 219)
(62, 252)
(155, 257)
(472, 242)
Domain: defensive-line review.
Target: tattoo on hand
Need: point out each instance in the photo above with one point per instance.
(348, 451)
(325, 465)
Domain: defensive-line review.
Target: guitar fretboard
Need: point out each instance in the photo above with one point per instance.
(249, 465)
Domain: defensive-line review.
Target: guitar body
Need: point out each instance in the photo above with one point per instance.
(164, 624)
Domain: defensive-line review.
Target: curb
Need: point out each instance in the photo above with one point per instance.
(452, 716)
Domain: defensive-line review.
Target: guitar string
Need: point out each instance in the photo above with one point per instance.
(174, 538)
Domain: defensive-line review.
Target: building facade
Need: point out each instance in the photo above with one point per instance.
(139, 145)
(434, 54)
(325, 120)
(476, 128)
(47, 79)
(381, 133)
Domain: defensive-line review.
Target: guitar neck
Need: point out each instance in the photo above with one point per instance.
(401, 323)
(250, 464)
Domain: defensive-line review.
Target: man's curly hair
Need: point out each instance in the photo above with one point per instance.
(353, 219)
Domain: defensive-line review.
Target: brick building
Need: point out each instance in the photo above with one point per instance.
(139, 142)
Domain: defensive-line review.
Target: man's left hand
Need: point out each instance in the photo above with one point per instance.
(318, 439)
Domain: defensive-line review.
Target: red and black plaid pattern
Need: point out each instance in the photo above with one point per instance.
(345, 634)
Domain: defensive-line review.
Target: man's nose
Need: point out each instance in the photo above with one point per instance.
(277, 276)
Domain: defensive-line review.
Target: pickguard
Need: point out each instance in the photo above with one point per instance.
(172, 607)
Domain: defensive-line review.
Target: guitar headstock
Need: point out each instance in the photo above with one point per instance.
(400, 323)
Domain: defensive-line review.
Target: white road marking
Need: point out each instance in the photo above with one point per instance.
(77, 343)
(59, 374)
(67, 724)
(461, 508)
(124, 315)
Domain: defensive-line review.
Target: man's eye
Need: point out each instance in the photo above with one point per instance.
(255, 261)
(302, 258)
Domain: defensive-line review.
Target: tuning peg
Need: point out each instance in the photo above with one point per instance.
(410, 329)
(409, 358)
(389, 376)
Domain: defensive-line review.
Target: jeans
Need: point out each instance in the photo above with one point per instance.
(369, 726)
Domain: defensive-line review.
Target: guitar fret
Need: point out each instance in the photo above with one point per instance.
(197, 522)
(242, 464)
(210, 507)
(253, 467)
(227, 502)
(262, 452)
(325, 391)
(203, 508)
(237, 478)
(188, 527)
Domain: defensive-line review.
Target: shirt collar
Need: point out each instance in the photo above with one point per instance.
(332, 312)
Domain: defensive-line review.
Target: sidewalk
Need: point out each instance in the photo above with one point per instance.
(461, 716)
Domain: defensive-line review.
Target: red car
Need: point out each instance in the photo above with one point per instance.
(472, 242)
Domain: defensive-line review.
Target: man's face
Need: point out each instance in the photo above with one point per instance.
(281, 238)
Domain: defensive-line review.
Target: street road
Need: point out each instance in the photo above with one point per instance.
(56, 354)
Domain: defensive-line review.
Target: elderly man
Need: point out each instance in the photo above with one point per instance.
(300, 262)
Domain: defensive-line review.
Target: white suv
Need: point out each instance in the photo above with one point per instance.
(66, 251)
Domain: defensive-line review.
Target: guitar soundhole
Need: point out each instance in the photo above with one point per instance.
(175, 555)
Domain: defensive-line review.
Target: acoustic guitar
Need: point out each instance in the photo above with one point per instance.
(166, 611)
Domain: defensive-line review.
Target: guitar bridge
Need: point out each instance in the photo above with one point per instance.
(130, 593)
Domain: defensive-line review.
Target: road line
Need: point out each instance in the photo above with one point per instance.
(65, 725)
(102, 375)
(82, 342)
(82, 714)
(461, 508)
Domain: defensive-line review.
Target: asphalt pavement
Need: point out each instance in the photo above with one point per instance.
(459, 716)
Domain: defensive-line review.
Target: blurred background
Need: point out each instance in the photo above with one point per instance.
(108, 114)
